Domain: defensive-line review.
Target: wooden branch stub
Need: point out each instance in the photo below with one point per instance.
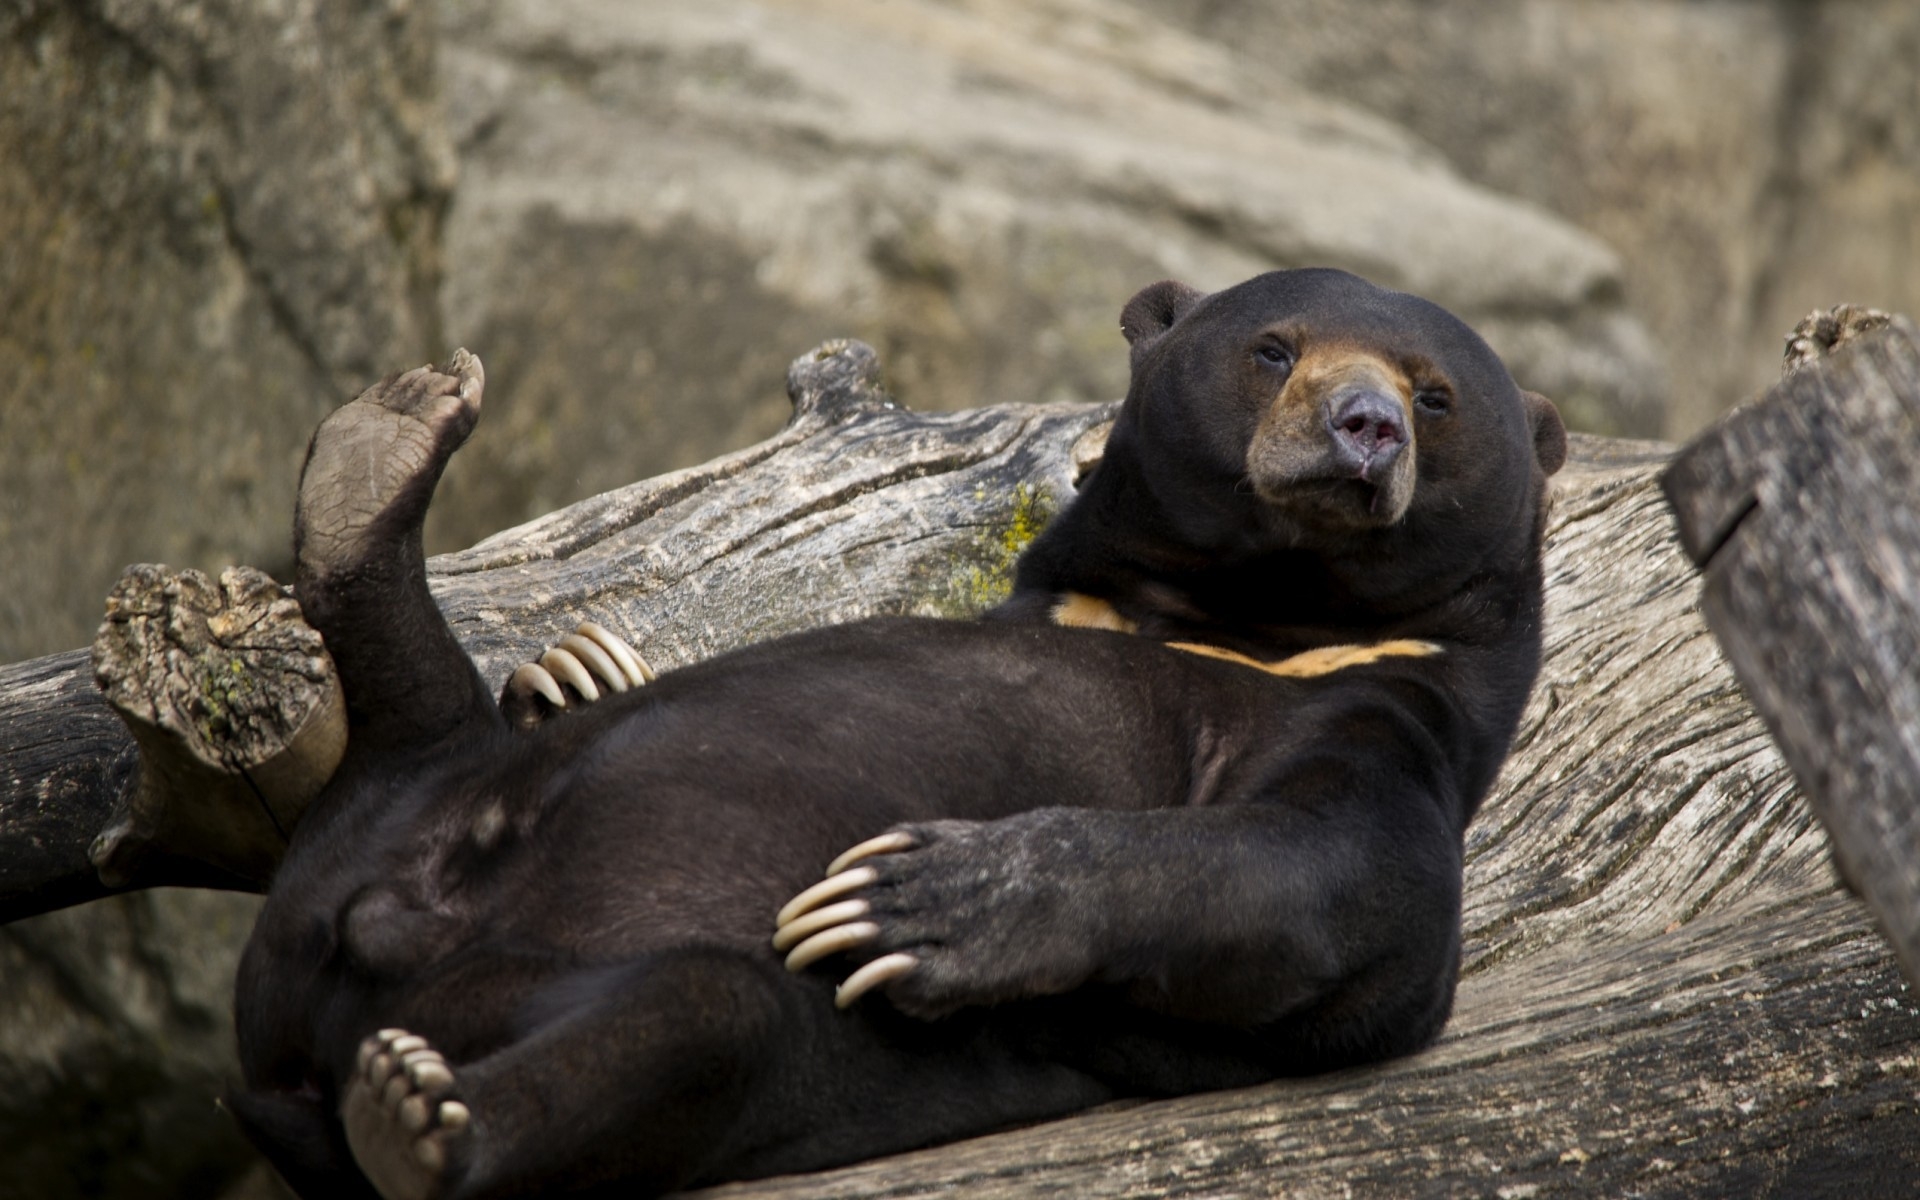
(836, 379)
(1803, 511)
(1819, 333)
(238, 714)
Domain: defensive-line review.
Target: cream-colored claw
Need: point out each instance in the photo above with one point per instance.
(886, 843)
(801, 928)
(831, 941)
(827, 889)
(885, 969)
(597, 660)
(532, 677)
(631, 664)
(567, 668)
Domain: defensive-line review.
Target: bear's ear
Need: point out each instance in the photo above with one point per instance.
(1549, 432)
(1152, 312)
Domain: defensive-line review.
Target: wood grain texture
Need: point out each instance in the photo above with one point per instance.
(857, 508)
(1803, 511)
(237, 710)
(65, 761)
(1665, 993)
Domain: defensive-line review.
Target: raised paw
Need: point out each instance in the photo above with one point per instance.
(402, 1120)
(374, 462)
(572, 672)
(948, 914)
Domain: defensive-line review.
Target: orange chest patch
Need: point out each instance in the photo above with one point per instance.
(1086, 612)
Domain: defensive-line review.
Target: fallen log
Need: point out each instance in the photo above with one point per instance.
(1800, 511)
(1664, 993)
(857, 508)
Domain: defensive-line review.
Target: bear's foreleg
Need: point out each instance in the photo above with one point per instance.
(1333, 926)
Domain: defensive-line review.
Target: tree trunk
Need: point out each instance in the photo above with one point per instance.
(1664, 992)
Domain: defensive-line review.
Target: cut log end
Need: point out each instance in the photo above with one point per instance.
(237, 712)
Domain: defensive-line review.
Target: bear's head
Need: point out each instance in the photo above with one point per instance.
(1313, 411)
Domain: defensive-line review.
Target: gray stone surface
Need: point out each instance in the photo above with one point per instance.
(215, 219)
(1750, 160)
(660, 202)
(116, 1038)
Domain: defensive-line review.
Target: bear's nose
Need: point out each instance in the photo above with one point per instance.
(1369, 431)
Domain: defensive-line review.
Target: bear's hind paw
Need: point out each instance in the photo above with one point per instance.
(401, 1119)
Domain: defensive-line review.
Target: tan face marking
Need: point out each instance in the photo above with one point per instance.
(1325, 367)
(1295, 443)
(1077, 611)
(1324, 660)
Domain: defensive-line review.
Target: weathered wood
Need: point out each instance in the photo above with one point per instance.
(238, 713)
(857, 508)
(1801, 510)
(65, 761)
(1665, 994)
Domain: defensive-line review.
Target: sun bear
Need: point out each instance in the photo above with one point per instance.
(1185, 813)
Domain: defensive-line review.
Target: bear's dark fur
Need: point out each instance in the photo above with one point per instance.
(1213, 840)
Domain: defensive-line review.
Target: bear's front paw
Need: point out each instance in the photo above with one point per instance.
(565, 676)
(947, 914)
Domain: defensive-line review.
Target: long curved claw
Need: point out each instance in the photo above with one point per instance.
(595, 659)
(798, 930)
(532, 677)
(567, 668)
(885, 969)
(886, 843)
(827, 889)
(636, 669)
(831, 941)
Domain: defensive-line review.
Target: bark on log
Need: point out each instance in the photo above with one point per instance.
(857, 508)
(1665, 994)
(1801, 512)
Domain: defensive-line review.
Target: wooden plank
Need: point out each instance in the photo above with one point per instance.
(1803, 512)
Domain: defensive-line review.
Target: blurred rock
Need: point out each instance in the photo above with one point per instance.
(116, 1038)
(217, 220)
(1750, 161)
(660, 202)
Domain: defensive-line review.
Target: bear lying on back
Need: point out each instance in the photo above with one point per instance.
(1185, 813)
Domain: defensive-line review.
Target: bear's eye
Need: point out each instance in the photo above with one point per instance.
(1273, 354)
(1432, 400)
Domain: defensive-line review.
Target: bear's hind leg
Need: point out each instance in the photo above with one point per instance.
(361, 573)
(640, 1076)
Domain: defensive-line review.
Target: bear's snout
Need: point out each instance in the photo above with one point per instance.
(1369, 431)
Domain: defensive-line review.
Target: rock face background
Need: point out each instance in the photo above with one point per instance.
(220, 218)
